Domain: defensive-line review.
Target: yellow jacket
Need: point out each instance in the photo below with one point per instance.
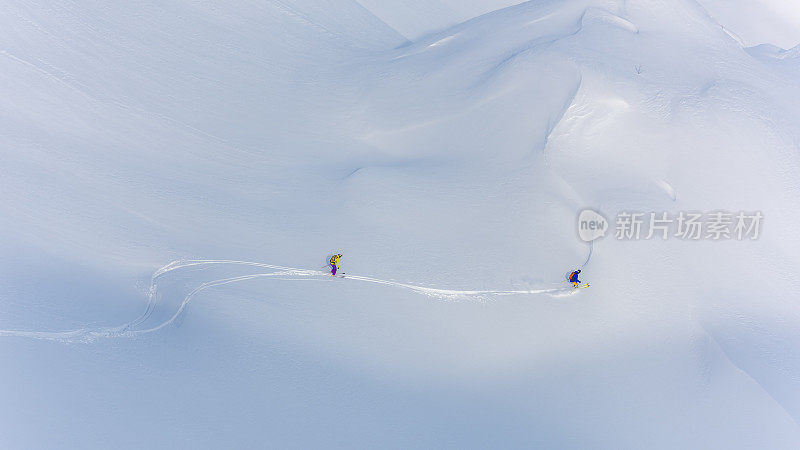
(335, 260)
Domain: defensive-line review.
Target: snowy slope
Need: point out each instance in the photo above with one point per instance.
(775, 22)
(416, 19)
(175, 175)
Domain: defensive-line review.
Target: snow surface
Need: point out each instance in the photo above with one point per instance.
(755, 22)
(416, 19)
(175, 173)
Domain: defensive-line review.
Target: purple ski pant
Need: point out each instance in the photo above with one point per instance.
(333, 269)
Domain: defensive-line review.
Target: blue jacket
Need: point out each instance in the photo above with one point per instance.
(573, 277)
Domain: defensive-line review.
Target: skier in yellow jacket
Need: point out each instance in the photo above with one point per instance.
(335, 264)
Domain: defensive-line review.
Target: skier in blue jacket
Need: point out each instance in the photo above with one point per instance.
(573, 278)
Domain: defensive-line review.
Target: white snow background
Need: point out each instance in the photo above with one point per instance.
(175, 173)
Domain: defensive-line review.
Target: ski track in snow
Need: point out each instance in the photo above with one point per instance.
(132, 328)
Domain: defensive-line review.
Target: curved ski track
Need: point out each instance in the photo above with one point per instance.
(283, 273)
